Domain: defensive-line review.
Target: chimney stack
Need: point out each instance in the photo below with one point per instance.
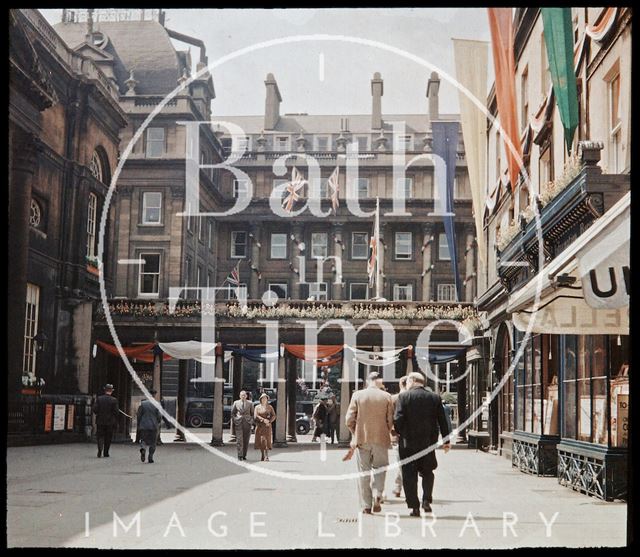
(272, 103)
(376, 94)
(432, 93)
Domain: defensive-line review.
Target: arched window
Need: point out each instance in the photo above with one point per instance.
(96, 166)
(99, 166)
(35, 214)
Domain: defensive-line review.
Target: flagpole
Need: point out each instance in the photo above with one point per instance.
(377, 233)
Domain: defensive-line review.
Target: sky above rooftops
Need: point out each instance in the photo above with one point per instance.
(327, 77)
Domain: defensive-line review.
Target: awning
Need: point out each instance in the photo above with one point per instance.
(597, 301)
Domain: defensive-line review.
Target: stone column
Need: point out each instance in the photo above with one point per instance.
(181, 411)
(470, 270)
(218, 388)
(336, 289)
(254, 280)
(237, 387)
(298, 234)
(344, 435)
(427, 242)
(23, 165)
(291, 400)
(157, 369)
(281, 403)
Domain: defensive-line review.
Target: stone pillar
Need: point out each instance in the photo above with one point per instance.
(470, 270)
(298, 234)
(344, 435)
(336, 289)
(181, 411)
(254, 279)
(157, 369)
(427, 242)
(237, 387)
(23, 165)
(218, 389)
(281, 403)
(292, 375)
(462, 401)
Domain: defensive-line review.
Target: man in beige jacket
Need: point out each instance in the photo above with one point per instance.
(370, 420)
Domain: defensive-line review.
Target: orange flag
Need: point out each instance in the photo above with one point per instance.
(502, 40)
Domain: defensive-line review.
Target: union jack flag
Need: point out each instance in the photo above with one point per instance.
(233, 278)
(292, 189)
(332, 182)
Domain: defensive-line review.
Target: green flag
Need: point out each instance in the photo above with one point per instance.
(558, 37)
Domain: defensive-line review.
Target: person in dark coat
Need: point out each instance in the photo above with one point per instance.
(149, 418)
(333, 413)
(319, 417)
(419, 417)
(106, 410)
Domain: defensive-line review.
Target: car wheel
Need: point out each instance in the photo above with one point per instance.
(302, 429)
(195, 421)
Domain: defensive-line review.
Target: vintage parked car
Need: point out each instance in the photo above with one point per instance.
(200, 412)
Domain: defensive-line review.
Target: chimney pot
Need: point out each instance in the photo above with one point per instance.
(377, 91)
(433, 87)
(272, 103)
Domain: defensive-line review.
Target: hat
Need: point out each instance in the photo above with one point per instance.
(264, 395)
(108, 387)
(373, 376)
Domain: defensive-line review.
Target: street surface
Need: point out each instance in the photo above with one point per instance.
(63, 496)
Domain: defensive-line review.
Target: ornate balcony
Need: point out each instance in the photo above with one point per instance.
(568, 212)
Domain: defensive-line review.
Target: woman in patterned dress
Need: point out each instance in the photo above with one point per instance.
(264, 416)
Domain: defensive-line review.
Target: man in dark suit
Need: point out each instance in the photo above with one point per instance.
(149, 418)
(242, 417)
(419, 417)
(106, 410)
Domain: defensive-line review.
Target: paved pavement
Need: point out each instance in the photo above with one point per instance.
(63, 496)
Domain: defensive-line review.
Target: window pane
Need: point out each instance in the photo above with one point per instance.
(238, 244)
(363, 144)
(584, 389)
(279, 288)
(359, 291)
(403, 245)
(359, 245)
(278, 246)
(443, 248)
(319, 244)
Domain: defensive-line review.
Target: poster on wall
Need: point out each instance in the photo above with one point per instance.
(58, 417)
(70, 416)
(48, 416)
(623, 421)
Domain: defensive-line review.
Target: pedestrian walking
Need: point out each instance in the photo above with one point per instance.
(106, 410)
(319, 418)
(264, 415)
(149, 418)
(333, 416)
(395, 438)
(370, 420)
(242, 417)
(419, 417)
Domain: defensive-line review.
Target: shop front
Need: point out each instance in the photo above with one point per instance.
(572, 379)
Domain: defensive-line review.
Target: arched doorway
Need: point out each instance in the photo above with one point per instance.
(503, 403)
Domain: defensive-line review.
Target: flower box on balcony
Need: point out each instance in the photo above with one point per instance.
(32, 391)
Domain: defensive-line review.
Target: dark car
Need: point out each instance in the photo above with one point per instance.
(200, 412)
(303, 423)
